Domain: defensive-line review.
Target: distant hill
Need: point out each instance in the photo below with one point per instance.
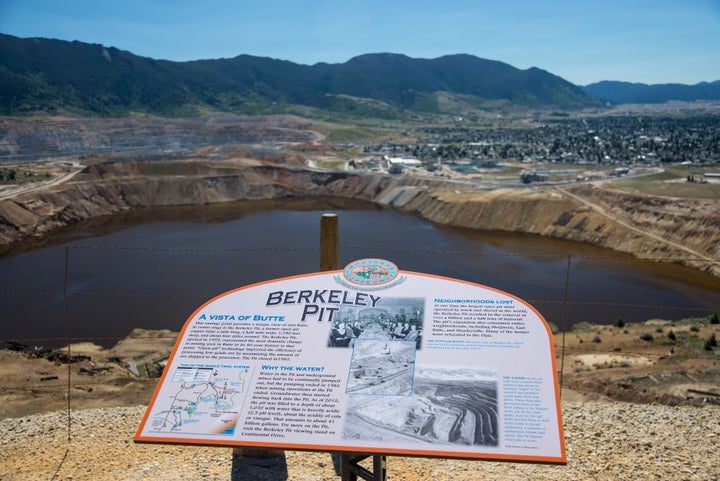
(638, 93)
(52, 75)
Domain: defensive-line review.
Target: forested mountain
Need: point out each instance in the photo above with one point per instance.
(44, 75)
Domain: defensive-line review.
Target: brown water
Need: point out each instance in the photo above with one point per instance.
(152, 268)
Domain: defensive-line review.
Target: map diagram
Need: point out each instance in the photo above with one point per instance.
(203, 400)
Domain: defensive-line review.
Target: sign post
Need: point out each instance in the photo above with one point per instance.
(368, 359)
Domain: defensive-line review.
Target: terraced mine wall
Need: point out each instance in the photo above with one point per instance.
(631, 224)
(22, 138)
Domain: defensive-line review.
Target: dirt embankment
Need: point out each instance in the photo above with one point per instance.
(675, 230)
(106, 189)
(690, 226)
(686, 231)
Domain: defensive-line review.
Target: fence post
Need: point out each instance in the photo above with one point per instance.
(329, 242)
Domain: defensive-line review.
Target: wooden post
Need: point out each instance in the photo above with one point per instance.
(329, 242)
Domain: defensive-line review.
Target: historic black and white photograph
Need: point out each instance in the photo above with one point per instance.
(392, 319)
(451, 405)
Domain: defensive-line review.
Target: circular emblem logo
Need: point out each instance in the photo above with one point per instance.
(370, 272)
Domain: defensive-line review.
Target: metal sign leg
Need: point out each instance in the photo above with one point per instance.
(350, 468)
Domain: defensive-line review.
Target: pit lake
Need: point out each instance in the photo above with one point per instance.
(152, 268)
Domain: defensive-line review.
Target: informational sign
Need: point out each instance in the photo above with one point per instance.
(368, 359)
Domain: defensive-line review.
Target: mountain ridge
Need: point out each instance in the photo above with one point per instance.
(51, 75)
(619, 92)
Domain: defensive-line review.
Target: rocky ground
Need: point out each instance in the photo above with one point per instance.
(605, 441)
(633, 407)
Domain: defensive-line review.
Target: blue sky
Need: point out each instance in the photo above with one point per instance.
(583, 41)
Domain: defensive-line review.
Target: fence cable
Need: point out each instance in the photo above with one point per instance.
(200, 250)
(563, 320)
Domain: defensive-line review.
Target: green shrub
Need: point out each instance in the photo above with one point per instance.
(715, 319)
(620, 322)
(710, 343)
(671, 335)
(582, 327)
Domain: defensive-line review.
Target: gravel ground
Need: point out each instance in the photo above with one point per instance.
(604, 442)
